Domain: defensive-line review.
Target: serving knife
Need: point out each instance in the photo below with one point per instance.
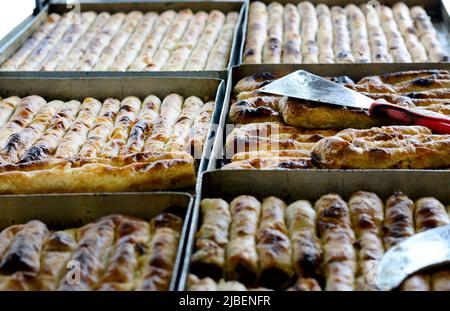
(307, 86)
(428, 249)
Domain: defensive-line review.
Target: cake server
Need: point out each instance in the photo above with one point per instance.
(427, 249)
(307, 86)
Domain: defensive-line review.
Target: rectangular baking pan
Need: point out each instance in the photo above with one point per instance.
(64, 211)
(68, 88)
(295, 185)
(19, 35)
(437, 9)
(354, 71)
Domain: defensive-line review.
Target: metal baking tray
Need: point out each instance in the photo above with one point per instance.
(295, 185)
(438, 10)
(68, 88)
(354, 71)
(63, 211)
(19, 35)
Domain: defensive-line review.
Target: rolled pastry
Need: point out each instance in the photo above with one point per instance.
(272, 46)
(241, 261)
(409, 32)
(325, 34)
(292, 41)
(256, 33)
(308, 32)
(377, 39)
(212, 239)
(396, 44)
(358, 31)
(341, 35)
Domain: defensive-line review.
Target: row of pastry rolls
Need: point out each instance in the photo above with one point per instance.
(133, 41)
(33, 130)
(306, 33)
(333, 244)
(277, 132)
(114, 253)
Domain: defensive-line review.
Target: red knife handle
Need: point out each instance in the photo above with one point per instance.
(434, 121)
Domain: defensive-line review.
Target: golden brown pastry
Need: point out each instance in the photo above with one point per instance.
(291, 53)
(325, 34)
(396, 44)
(413, 147)
(132, 237)
(94, 242)
(212, 239)
(359, 36)
(256, 33)
(165, 230)
(301, 220)
(366, 214)
(199, 133)
(273, 245)
(199, 56)
(272, 46)
(337, 239)
(241, 261)
(342, 47)
(77, 52)
(409, 32)
(402, 76)
(308, 32)
(377, 38)
(17, 59)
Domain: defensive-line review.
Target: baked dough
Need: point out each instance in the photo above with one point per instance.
(180, 55)
(118, 42)
(339, 256)
(241, 261)
(147, 117)
(199, 134)
(220, 53)
(301, 220)
(396, 44)
(377, 38)
(7, 108)
(199, 56)
(341, 35)
(358, 34)
(100, 42)
(309, 28)
(409, 32)
(68, 41)
(165, 230)
(212, 238)
(366, 214)
(412, 147)
(129, 108)
(74, 56)
(272, 46)
(273, 245)
(35, 59)
(171, 108)
(15, 61)
(256, 33)
(428, 35)
(180, 133)
(325, 34)
(292, 53)
(168, 44)
(153, 41)
(131, 50)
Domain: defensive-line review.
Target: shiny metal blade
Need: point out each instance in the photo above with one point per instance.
(307, 86)
(424, 250)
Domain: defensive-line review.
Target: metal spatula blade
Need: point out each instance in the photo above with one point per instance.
(424, 250)
(307, 86)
